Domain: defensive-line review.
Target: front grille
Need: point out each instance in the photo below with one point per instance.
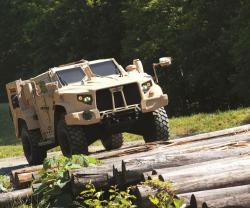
(104, 100)
(118, 100)
(104, 97)
(132, 94)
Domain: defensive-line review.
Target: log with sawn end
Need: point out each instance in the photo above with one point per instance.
(224, 197)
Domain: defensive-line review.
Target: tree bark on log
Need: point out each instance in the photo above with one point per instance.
(143, 192)
(172, 149)
(214, 181)
(22, 177)
(14, 198)
(201, 169)
(236, 201)
(215, 196)
(133, 170)
(79, 181)
(236, 197)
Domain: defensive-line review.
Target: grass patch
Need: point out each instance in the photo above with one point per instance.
(203, 122)
(180, 126)
(5, 184)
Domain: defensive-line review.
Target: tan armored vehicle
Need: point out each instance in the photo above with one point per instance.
(75, 104)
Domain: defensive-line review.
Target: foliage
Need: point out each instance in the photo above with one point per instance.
(5, 184)
(207, 39)
(55, 178)
(92, 198)
(165, 197)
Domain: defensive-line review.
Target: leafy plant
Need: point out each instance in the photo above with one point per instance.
(93, 198)
(165, 197)
(55, 178)
(5, 184)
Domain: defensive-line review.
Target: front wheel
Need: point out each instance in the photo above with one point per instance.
(72, 139)
(34, 154)
(156, 126)
(111, 142)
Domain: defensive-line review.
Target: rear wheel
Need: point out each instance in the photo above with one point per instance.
(156, 126)
(111, 142)
(72, 139)
(34, 154)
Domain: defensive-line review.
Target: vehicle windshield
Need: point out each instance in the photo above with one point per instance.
(69, 76)
(105, 68)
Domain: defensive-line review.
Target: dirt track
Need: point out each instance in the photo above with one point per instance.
(12, 163)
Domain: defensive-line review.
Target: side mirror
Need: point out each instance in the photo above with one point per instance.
(165, 61)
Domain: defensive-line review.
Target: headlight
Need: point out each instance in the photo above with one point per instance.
(146, 86)
(87, 99)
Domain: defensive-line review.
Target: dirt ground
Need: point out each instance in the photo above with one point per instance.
(9, 164)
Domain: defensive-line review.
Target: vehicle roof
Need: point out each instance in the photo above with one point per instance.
(79, 64)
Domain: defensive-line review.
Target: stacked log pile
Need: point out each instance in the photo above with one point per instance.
(214, 167)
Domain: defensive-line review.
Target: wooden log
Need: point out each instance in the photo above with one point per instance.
(201, 169)
(237, 197)
(236, 201)
(79, 181)
(211, 144)
(214, 143)
(133, 170)
(21, 178)
(143, 192)
(209, 139)
(149, 149)
(26, 170)
(14, 198)
(214, 181)
(211, 197)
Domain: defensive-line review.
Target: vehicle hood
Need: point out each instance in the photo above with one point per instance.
(97, 83)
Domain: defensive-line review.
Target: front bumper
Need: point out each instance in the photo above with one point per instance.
(147, 105)
(152, 104)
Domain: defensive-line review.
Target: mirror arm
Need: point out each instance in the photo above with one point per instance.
(155, 73)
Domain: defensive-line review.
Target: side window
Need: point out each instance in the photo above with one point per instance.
(42, 87)
(14, 101)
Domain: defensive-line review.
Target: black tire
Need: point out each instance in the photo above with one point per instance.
(71, 139)
(156, 126)
(111, 142)
(34, 154)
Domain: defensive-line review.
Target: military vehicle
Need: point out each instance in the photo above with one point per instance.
(73, 105)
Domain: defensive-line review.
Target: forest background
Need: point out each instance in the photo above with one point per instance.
(208, 40)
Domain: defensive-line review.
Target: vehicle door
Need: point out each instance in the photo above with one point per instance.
(44, 107)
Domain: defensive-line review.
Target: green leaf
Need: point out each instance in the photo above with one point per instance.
(154, 200)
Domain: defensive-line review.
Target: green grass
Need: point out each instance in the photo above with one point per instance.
(180, 126)
(202, 122)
